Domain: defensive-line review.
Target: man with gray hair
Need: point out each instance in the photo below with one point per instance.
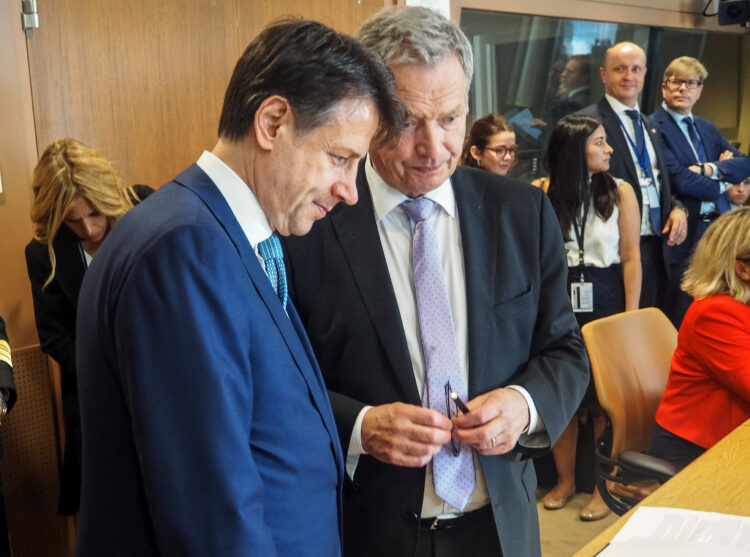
(442, 284)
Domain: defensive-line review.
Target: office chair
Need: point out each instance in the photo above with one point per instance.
(630, 356)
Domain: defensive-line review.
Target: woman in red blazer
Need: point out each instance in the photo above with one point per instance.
(708, 391)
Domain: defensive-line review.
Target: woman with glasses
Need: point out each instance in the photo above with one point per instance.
(491, 145)
(600, 223)
(708, 391)
(77, 199)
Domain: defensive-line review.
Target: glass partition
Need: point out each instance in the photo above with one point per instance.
(534, 70)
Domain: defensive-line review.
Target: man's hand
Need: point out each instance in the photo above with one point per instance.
(676, 227)
(495, 421)
(726, 155)
(404, 434)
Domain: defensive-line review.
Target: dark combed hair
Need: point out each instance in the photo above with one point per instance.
(314, 68)
(480, 133)
(569, 186)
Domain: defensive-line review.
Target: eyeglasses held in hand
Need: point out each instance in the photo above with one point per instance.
(453, 404)
(675, 84)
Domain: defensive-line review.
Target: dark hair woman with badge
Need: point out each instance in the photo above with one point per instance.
(600, 223)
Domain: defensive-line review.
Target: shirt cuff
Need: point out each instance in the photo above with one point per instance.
(355, 441)
(715, 172)
(535, 421)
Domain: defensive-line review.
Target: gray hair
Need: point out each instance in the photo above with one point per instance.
(417, 35)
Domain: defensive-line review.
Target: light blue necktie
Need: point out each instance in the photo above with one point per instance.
(273, 256)
(453, 466)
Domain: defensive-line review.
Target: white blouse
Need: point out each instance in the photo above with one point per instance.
(601, 239)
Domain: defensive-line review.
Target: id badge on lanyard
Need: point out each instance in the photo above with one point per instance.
(581, 292)
(582, 296)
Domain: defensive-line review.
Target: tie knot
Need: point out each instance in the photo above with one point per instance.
(270, 248)
(634, 114)
(419, 209)
(688, 121)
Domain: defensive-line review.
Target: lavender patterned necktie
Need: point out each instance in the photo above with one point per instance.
(453, 471)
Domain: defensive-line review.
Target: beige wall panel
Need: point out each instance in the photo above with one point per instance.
(17, 159)
(141, 81)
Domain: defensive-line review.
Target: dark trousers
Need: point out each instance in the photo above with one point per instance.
(654, 290)
(474, 534)
(673, 448)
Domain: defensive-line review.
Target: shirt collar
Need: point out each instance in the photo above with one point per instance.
(385, 198)
(618, 107)
(676, 115)
(240, 198)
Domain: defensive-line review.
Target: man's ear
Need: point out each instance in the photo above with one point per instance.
(273, 115)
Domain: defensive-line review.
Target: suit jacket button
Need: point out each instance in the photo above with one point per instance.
(411, 516)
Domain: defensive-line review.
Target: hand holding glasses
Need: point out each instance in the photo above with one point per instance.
(452, 409)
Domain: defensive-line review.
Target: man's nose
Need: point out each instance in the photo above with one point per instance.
(428, 140)
(346, 189)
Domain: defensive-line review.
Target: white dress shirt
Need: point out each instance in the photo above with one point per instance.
(645, 182)
(395, 231)
(241, 200)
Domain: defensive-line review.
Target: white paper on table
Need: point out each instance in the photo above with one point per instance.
(667, 532)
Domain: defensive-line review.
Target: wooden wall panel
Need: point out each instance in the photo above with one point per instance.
(141, 81)
(17, 159)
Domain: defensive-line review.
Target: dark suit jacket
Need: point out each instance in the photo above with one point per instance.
(55, 315)
(521, 331)
(7, 381)
(207, 429)
(689, 187)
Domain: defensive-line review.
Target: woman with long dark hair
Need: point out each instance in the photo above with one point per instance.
(600, 222)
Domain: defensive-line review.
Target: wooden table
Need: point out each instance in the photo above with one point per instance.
(717, 481)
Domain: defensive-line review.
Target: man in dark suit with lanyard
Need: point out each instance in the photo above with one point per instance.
(701, 163)
(638, 159)
(440, 280)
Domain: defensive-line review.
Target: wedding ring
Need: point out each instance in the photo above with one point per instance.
(492, 440)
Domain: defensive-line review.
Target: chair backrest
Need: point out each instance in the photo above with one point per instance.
(630, 357)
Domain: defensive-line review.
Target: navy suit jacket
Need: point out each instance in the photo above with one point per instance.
(621, 164)
(689, 187)
(521, 330)
(207, 429)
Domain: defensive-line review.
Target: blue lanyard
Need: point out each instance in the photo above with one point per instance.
(643, 155)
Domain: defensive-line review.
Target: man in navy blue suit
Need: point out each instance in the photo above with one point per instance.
(701, 163)
(207, 429)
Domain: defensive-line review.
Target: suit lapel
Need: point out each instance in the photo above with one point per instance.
(197, 181)
(478, 236)
(665, 193)
(616, 137)
(357, 232)
(675, 135)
